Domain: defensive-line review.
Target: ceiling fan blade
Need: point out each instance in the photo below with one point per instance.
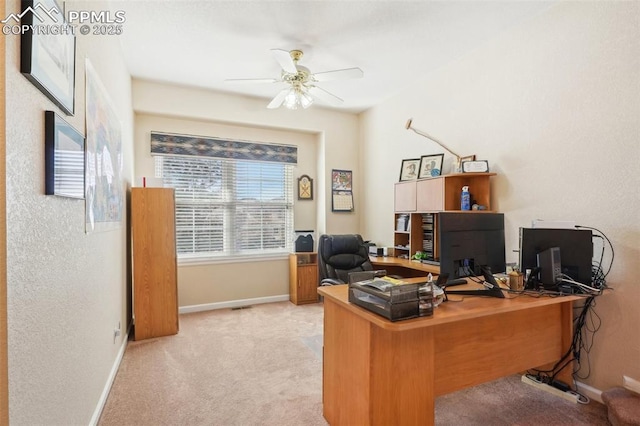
(339, 74)
(284, 59)
(251, 80)
(323, 95)
(278, 99)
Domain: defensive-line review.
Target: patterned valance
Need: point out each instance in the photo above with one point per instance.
(170, 144)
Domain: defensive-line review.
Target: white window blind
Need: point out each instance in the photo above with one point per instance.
(229, 207)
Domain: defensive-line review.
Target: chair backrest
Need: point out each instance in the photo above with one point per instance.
(341, 254)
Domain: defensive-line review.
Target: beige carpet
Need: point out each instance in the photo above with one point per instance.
(262, 366)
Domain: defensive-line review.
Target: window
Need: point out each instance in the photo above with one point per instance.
(228, 207)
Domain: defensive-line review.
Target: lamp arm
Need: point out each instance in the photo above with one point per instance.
(428, 136)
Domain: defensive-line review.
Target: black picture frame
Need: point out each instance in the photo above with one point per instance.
(64, 158)
(49, 60)
(476, 166)
(305, 188)
(430, 165)
(409, 169)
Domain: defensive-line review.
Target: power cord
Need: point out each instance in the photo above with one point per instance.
(602, 235)
(582, 287)
(586, 324)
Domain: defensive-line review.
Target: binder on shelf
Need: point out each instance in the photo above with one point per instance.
(403, 223)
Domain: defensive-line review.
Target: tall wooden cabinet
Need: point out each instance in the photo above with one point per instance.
(303, 278)
(153, 236)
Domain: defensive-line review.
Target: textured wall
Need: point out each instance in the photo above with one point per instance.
(553, 105)
(4, 380)
(67, 290)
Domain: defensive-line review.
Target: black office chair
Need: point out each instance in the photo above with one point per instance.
(340, 255)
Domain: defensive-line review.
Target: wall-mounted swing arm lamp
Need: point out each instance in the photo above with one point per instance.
(457, 165)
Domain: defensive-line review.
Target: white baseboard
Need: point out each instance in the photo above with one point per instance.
(232, 304)
(631, 384)
(593, 393)
(112, 375)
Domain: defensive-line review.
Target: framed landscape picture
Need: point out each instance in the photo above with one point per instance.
(104, 190)
(49, 60)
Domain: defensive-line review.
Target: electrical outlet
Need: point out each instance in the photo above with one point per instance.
(116, 332)
(631, 384)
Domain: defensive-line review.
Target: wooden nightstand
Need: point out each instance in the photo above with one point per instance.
(303, 278)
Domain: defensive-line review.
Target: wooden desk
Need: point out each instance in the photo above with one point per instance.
(403, 267)
(378, 372)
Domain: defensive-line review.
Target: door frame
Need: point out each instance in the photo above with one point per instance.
(4, 367)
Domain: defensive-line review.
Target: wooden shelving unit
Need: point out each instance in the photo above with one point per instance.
(429, 235)
(421, 201)
(442, 193)
(406, 241)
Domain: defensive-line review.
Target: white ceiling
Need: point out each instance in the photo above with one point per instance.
(202, 43)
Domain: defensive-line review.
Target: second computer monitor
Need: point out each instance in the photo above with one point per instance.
(469, 241)
(575, 247)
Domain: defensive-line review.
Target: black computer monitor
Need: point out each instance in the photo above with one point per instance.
(468, 241)
(576, 250)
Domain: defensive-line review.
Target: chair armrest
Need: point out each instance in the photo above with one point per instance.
(331, 281)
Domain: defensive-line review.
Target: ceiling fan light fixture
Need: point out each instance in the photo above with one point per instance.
(301, 91)
(297, 98)
(305, 100)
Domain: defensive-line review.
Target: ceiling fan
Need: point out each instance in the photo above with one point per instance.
(301, 87)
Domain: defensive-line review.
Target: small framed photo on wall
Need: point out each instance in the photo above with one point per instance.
(305, 188)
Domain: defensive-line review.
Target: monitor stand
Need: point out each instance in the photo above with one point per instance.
(492, 290)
